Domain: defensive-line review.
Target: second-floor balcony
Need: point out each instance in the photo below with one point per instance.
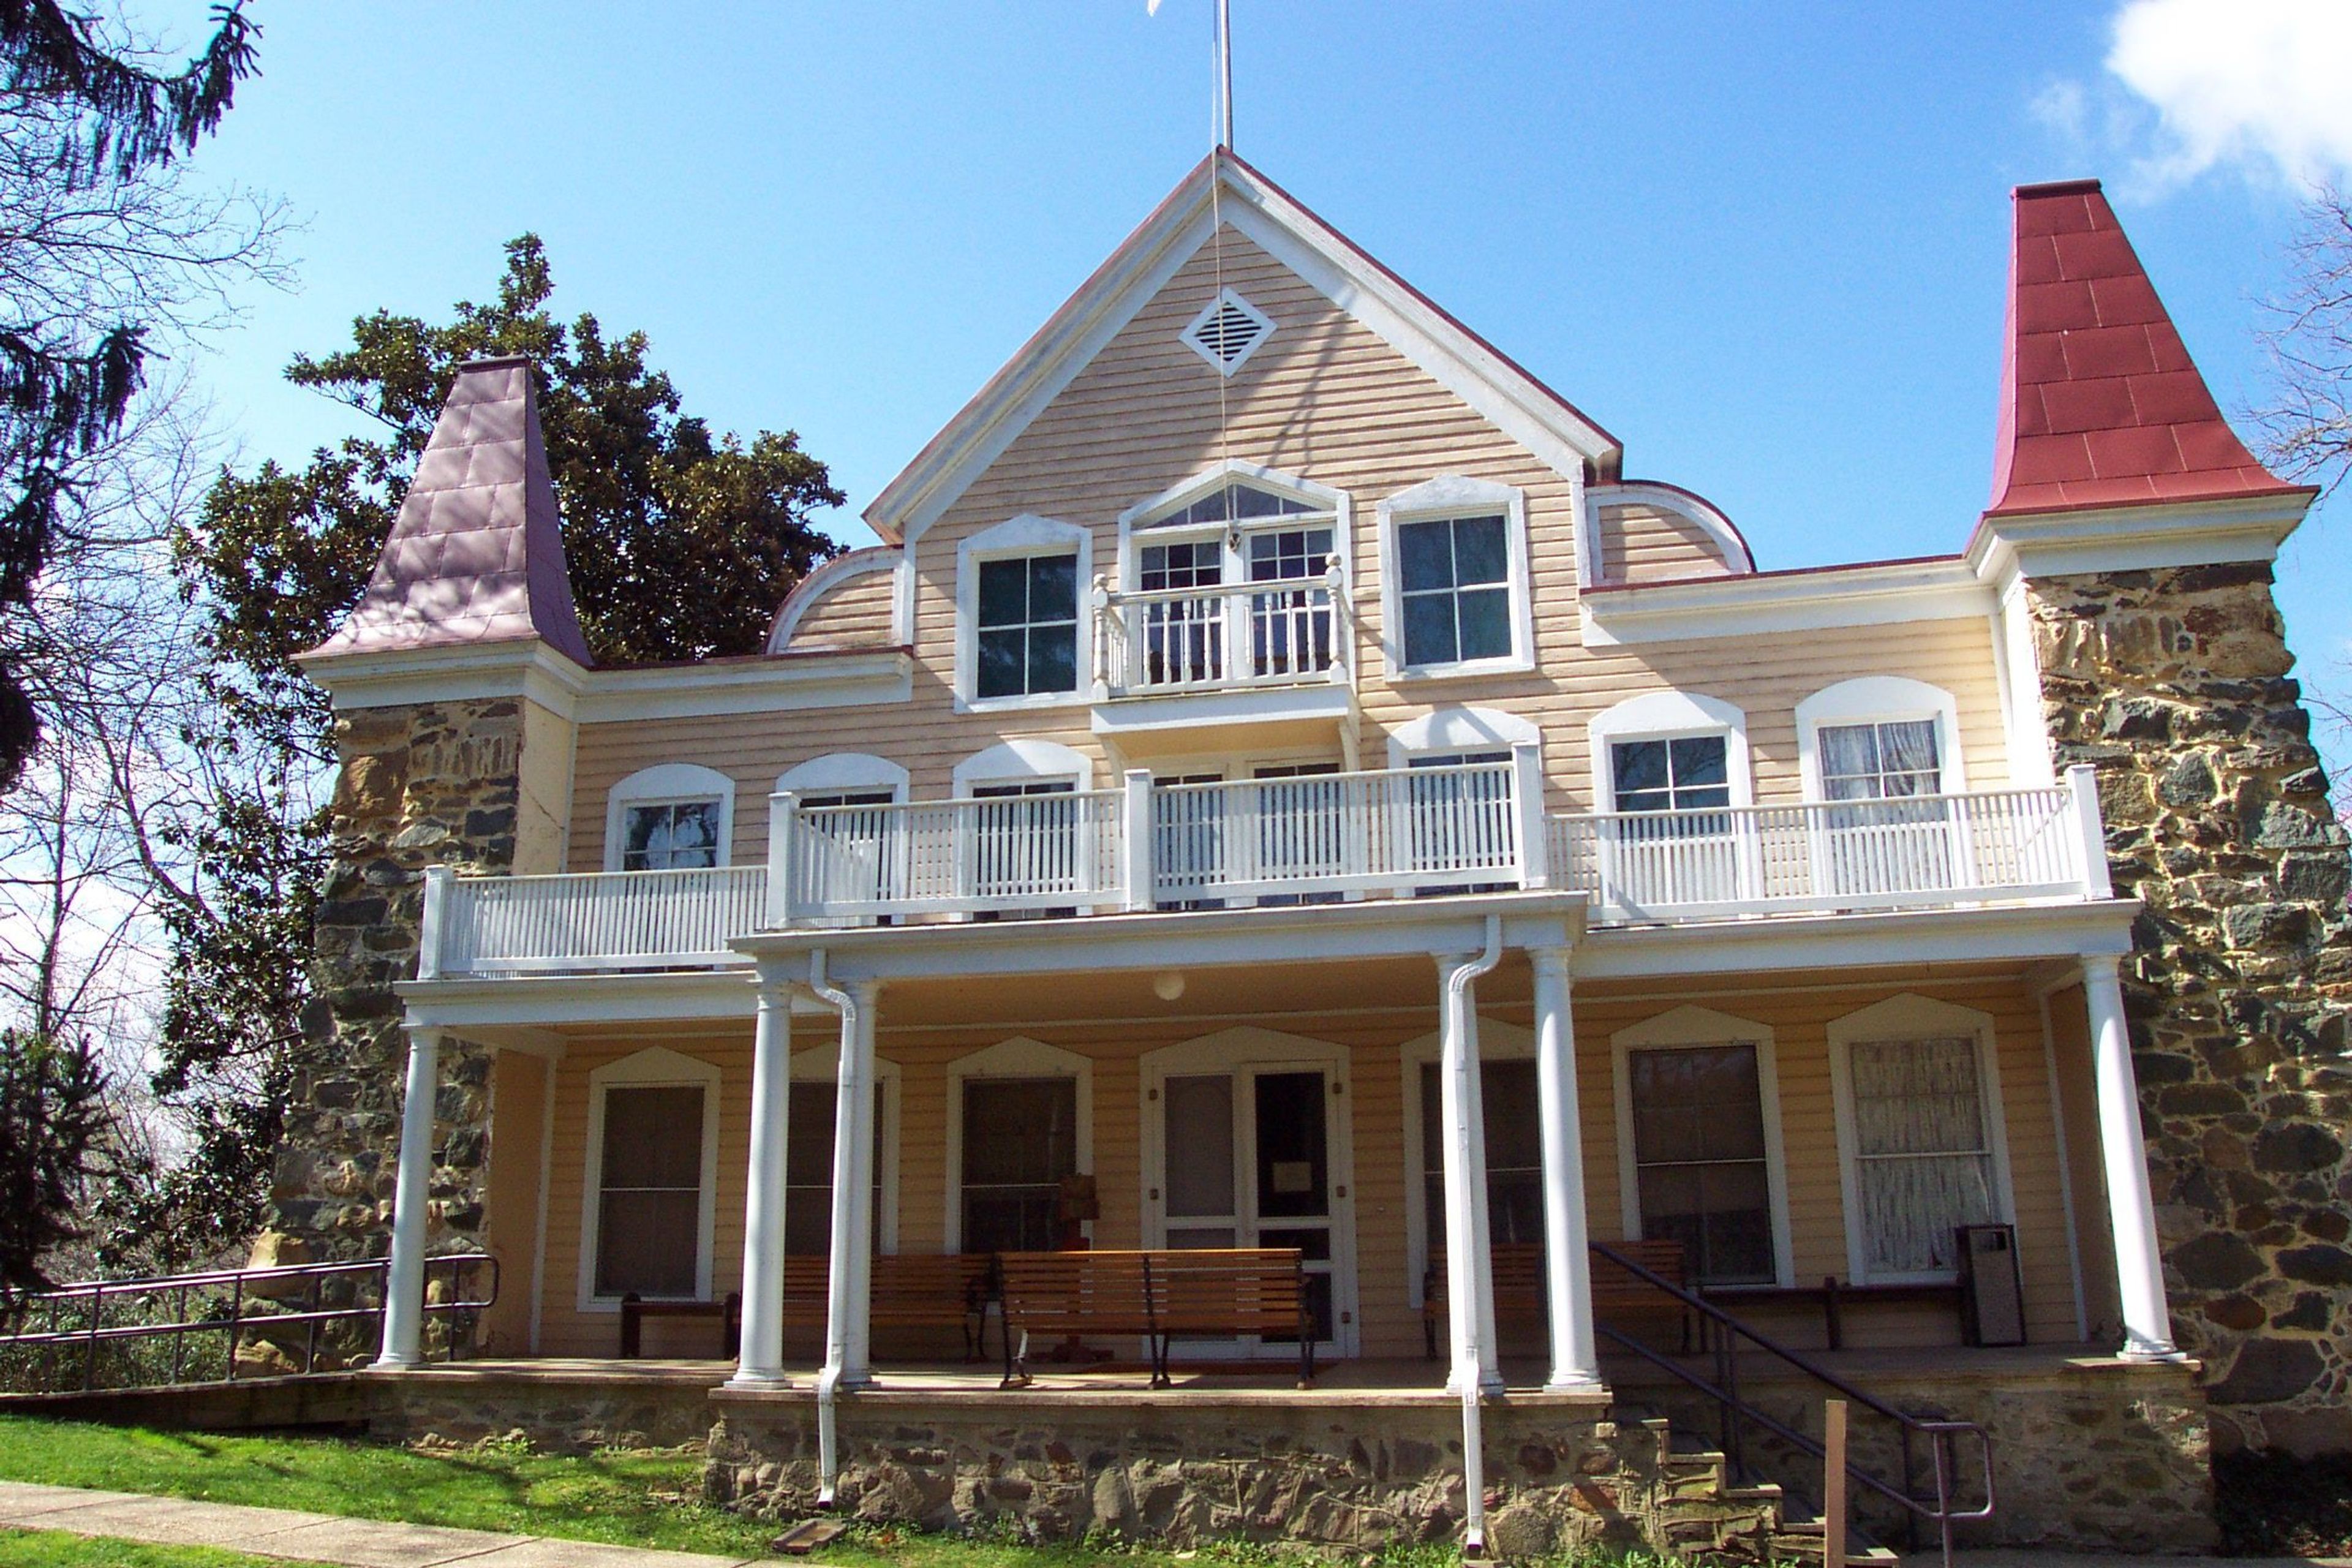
(1400, 833)
(1221, 637)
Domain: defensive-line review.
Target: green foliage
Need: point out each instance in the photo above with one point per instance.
(52, 1118)
(56, 1549)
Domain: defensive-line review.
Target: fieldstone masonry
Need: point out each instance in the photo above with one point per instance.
(2173, 684)
(433, 784)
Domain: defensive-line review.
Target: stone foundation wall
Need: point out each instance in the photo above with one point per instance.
(2174, 685)
(2099, 1455)
(427, 785)
(1182, 1470)
(563, 1414)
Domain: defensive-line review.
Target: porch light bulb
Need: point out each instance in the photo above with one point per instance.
(1168, 984)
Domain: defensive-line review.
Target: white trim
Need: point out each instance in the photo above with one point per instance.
(1452, 496)
(1969, 934)
(1250, 1046)
(1145, 515)
(1019, 1056)
(832, 574)
(1690, 1027)
(1325, 704)
(1445, 730)
(1696, 609)
(1910, 1016)
(822, 1064)
(1699, 512)
(1018, 538)
(1226, 367)
(528, 669)
(1011, 762)
(1880, 699)
(656, 1066)
(843, 773)
(1664, 716)
(669, 784)
(1134, 273)
(1497, 1042)
(2143, 538)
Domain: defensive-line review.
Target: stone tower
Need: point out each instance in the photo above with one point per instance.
(2134, 535)
(451, 681)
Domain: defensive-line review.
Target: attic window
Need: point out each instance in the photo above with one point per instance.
(1228, 331)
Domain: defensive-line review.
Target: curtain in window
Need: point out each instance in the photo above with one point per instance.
(1922, 1156)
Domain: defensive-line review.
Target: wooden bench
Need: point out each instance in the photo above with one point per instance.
(910, 1291)
(635, 1310)
(1519, 1274)
(1156, 1294)
(1833, 1297)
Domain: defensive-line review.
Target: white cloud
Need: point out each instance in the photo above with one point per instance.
(2264, 86)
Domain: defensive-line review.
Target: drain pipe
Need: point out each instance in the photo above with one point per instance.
(836, 1344)
(1474, 1458)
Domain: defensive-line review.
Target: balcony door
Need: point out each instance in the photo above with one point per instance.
(1247, 1146)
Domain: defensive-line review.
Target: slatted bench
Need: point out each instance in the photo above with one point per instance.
(910, 1290)
(1833, 1297)
(635, 1310)
(1156, 1294)
(1519, 1274)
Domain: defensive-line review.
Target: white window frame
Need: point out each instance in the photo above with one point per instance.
(1497, 1042)
(1670, 716)
(1880, 699)
(1910, 1016)
(1023, 761)
(1013, 539)
(1447, 730)
(845, 773)
(1450, 496)
(1250, 1046)
(653, 1067)
(1019, 1056)
(1691, 1027)
(822, 1064)
(669, 783)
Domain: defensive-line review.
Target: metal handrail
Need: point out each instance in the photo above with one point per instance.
(1941, 1435)
(241, 1283)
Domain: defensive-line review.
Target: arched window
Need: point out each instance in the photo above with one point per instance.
(1670, 750)
(673, 817)
(1880, 737)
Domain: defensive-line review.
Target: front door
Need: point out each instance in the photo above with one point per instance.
(1250, 1157)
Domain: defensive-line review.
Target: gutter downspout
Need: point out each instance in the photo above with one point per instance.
(836, 1347)
(1474, 1458)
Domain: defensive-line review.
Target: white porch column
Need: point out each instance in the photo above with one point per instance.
(1568, 1270)
(761, 1362)
(404, 1285)
(1469, 1261)
(850, 1273)
(2139, 1266)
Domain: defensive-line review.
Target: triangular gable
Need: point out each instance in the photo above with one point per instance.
(1224, 187)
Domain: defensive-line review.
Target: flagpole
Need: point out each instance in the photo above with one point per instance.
(1226, 74)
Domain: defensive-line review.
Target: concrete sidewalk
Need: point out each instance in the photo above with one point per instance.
(314, 1537)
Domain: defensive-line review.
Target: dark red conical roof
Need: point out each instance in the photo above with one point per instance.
(2100, 403)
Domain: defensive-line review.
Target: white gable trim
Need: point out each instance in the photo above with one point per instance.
(1451, 729)
(1515, 402)
(1010, 759)
(1139, 518)
(845, 770)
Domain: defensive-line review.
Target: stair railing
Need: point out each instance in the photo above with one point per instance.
(1940, 1436)
(94, 1315)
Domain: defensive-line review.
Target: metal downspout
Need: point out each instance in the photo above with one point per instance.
(1474, 1458)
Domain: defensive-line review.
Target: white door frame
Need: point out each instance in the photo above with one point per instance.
(1247, 1051)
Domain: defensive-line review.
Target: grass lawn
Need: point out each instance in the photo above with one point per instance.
(55, 1548)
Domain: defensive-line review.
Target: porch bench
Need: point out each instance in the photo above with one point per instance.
(910, 1291)
(1154, 1294)
(1833, 1296)
(1519, 1274)
(635, 1310)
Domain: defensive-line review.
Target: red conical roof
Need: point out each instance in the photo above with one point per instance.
(2100, 403)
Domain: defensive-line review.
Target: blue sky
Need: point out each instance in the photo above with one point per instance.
(1765, 246)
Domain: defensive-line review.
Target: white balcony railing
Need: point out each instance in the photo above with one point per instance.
(1851, 855)
(1403, 832)
(1220, 636)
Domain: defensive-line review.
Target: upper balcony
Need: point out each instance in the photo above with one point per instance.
(1396, 834)
(1219, 655)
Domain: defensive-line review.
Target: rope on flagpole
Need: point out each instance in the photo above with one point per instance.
(1217, 225)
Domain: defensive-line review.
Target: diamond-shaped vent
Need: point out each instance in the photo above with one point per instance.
(1228, 331)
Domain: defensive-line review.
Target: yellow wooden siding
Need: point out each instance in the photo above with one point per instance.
(1649, 544)
(510, 1207)
(1381, 1186)
(853, 612)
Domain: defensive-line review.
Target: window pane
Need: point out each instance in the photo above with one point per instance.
(1054, 658)
(1429, 629)
(1480, 552)
(1003, 593)
(1909, 747)
(1514, 1134)
(1699, 759)
(1054, 588)
(1485, 623)
(646, 1242)
(1003, 656)
(1293, 1160)
(1638, 765)
(1200, 1145)
(1849, 751)
(1020, 1129)
(1424, 556)
(653, 1136)
(1699, 1143)
(641, 825)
